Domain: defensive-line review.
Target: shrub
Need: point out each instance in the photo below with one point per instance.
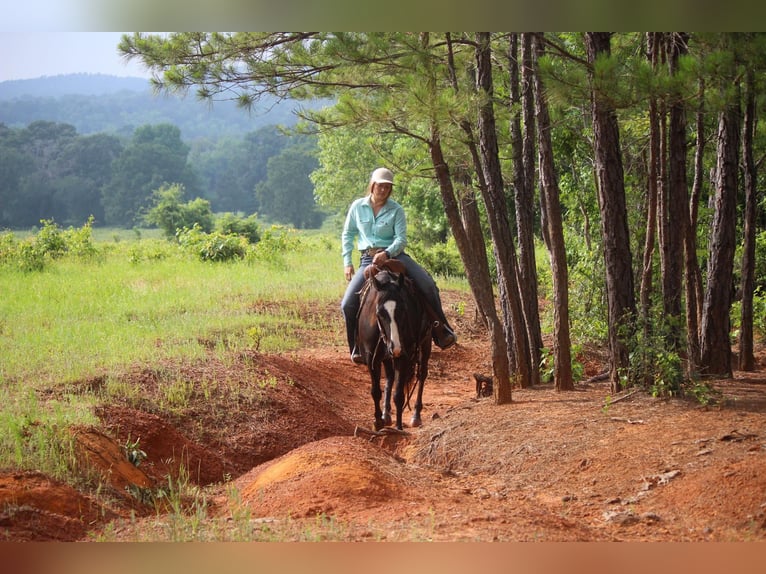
(232, 224)
(170, 215)
(274, 242)
(440, 258)
(212, 246)
(50, 242)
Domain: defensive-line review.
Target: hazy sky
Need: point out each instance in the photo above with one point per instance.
(25, 55)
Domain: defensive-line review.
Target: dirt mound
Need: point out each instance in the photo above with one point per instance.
(334, 475)
(34, 507)
(168, 450)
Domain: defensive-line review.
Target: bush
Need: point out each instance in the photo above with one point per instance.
(439, 259)
(248, 227)
(212, 246)
(49, 243)
(170, 215)
(274, 242)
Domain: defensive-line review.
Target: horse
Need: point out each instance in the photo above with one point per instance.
(394, 333)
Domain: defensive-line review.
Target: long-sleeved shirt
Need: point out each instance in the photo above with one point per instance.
(387, 230)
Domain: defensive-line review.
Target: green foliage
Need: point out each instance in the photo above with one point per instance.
(287, 194)
(547, 365)
(155, 156)
(232, 224)
(274, 244)
(587, 293)
(439, 259)
(51, 242)
(170, 215)
(653, 363)
(760, 257)
(703, 392)
(50, 239)
(212, 246)
(759, 314)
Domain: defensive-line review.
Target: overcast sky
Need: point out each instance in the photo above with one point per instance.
(25, 55)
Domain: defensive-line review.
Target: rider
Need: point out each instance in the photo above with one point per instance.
(381, 228)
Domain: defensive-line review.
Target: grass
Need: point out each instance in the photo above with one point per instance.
(141, 302)
(76, 319)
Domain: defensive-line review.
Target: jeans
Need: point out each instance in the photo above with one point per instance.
(423, 281)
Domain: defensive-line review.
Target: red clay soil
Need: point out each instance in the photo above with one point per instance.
(269, 440)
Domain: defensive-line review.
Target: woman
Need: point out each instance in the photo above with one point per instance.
(379, 225)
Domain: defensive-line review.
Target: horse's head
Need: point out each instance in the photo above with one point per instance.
(390, 309)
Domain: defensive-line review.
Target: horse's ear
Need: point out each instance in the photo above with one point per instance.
(400, 280)
(375, 282)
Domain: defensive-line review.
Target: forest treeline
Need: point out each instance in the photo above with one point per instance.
(639, 151)
(50, 172)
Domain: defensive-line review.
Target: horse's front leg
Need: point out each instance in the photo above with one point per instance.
(387, 397)
(376, 394)
(399, 397)
(425, 355)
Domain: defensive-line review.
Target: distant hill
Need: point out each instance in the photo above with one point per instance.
(63, 85)
(96, 103)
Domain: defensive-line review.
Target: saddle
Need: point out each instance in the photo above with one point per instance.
(392, 265)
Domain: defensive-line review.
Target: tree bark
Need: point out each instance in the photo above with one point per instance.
(614, 221)
(652, 192)
(562, 349)
(693, 273)
(523, 184)
(677, 198)
(715, 343)
(464, 221)
(497, 211)
(747, 285)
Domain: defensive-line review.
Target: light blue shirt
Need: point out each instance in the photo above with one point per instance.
(387, 230)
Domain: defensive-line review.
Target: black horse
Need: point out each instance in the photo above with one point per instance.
(394, 333)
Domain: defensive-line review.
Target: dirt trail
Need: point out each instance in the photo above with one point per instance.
(550, 466)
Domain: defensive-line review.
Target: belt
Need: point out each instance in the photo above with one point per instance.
(370, 251)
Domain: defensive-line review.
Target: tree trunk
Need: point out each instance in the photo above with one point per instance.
(677, 198)
(478, 278)
(746, 358)
(464, 221)
(716, 345)
(693, 273)
(497, 212)
(525, 210)
(652, 185)
(614, 221)
(562, 349)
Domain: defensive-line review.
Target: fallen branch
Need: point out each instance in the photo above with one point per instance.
(622, 398)
(595, 378)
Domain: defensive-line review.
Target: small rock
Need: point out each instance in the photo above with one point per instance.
(624, 518)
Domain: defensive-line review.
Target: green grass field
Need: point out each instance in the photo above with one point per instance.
(141, 301)
(75, 319)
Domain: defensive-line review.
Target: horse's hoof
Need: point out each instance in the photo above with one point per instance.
(379, 425)
(416, 422)
(387, 420)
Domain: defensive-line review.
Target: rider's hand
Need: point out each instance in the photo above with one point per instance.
(349, 271)
(380, 257)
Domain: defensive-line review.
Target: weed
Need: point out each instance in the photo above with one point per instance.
(134, 454)
(704, 393)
